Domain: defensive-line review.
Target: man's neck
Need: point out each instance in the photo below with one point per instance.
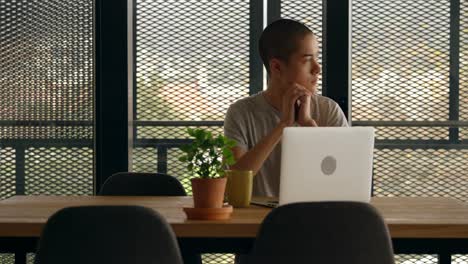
(274, 96)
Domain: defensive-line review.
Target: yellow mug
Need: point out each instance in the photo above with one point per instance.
(239, 187)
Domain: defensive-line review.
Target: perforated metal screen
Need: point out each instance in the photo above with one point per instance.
(192, 58)
(7, 175)
(192, 62)
(59, 171)
(460, 259)
(46, 102)
(421, 172)
(417, 259)
(309, 13)
(400, 72)
(401, 60)
(46, 83)
(7, 258)
(46, 64)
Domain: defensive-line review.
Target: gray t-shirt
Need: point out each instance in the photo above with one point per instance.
(250, 119)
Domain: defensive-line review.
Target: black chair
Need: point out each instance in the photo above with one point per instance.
(107, 234)
(142, 184)
(149, 184)
(323, 233)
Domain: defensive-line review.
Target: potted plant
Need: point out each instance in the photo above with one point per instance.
(206, 158)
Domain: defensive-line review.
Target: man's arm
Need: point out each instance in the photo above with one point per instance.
(254, 158)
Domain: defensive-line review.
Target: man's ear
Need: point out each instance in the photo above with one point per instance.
(275, 67)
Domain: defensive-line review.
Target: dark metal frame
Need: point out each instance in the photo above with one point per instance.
(454, 68)
(111, 100)
(273, 11)
(255, 65)
(336, 52)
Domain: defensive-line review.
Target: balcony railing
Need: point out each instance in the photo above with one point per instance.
(162, 145)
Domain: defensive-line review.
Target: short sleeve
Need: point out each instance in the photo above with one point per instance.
(234, 126)
(336, 117)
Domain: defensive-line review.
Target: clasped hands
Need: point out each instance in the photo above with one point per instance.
(297, 98)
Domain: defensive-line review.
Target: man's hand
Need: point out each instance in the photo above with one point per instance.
(304, 118)
(290, 97)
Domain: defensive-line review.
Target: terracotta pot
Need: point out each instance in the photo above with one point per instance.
(208, 193)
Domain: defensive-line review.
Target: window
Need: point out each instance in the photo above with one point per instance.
(401, 85)
(47, 97)
(46, 82)
(192, 62)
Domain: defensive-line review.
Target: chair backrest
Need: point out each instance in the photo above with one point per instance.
(148, 184)
(107, 234)
(323, 232)
(142, 184)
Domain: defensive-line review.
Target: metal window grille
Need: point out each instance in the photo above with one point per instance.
(7, 258)
(400, 73)
(419, 259)
(30, 257)
(47, 97)
(459, 259)
(46, 102)
(7, 176)
(191, 63)
(401, 60)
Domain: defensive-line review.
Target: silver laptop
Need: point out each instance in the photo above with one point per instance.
(326, 164)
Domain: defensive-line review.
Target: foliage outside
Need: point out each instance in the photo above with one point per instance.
(207, 156)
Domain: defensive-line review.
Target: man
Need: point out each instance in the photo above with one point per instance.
(289, 52)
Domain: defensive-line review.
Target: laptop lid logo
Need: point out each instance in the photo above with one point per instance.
(328, 165)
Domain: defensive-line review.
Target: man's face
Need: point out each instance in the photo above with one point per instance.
(302, 66)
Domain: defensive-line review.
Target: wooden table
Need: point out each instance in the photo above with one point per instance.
(417, 225)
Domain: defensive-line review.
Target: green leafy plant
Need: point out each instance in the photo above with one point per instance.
(207, 156)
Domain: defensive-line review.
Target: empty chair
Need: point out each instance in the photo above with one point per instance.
(149, 184)
(107, 234)
(142, 184)
(323, 233)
